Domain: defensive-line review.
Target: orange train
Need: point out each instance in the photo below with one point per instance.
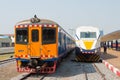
(40, 44)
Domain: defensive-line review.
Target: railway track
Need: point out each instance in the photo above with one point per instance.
(7, 61)
(85, 72)
(33, 76)
(98, 70)
(25, 76)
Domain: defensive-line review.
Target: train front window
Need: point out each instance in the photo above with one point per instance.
(22, 36)
(48, 35)
(87, 34)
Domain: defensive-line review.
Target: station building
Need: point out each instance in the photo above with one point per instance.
(112, 40)
(6, 40)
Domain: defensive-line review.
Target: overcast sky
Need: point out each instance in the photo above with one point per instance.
(70, 14)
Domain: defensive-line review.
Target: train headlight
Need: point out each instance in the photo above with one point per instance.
(28, 55)
(95, 51)
(81, 50)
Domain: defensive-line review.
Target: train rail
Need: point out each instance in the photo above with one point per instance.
(3, 53)
(32, 76)
(7, 61)
(98, 70)
(25, 76)
(85, 72)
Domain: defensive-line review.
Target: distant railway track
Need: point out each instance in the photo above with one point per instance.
(6, 53)
(7, 61)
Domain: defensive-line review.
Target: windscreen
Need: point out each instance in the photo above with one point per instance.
(48, 35)
(22, 36)
(87, 34)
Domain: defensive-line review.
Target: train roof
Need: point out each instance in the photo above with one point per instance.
(42, 21)
(36, 20)
(87, 28)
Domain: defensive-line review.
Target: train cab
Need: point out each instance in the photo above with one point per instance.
(34, 40)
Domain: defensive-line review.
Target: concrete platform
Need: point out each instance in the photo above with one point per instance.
(111, 59)
(112, 56)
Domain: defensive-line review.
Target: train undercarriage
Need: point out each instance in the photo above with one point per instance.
(86, 57)
(36, 66)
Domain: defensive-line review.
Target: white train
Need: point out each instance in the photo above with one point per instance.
(88, 43)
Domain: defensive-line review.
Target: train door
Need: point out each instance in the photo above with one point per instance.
(34, 42)
(49, 42)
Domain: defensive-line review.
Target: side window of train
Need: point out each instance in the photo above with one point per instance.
(48, 35)
(35, 35)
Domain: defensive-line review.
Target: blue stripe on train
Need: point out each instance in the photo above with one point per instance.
(83, 50)
(93, 50)
(27, 60)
